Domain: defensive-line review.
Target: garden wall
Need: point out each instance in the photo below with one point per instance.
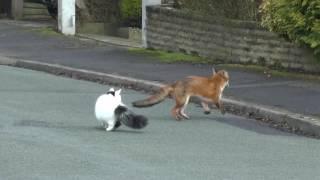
(226, 41)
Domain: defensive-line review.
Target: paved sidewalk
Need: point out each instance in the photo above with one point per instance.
(20, 42)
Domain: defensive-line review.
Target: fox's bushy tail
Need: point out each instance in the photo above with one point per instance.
(130, 119)
(154, 99)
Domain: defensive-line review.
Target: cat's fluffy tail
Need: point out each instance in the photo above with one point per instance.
(130, 119)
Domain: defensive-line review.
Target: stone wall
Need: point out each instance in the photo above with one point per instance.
(227, 41)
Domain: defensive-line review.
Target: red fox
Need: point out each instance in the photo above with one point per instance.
(208, 89)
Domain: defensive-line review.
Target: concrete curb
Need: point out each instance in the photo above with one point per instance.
(111, 40)
(279, 118)
(7, 61)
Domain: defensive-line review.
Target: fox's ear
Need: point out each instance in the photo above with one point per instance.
(213, 71)
(118, 92)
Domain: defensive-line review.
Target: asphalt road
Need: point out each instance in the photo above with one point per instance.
(48, 131)
(20, 42)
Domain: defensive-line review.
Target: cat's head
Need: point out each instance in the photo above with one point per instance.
(116, 94)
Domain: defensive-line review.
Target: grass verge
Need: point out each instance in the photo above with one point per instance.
(272, 72)
(169, 57)
(46, 31)
(173, 57)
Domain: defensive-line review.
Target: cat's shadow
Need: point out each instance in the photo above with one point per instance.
(45, 124)
(119, 130)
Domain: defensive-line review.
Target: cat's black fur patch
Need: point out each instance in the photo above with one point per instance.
(119, 110)
(128, 118)
(118, 124)
(111, 92)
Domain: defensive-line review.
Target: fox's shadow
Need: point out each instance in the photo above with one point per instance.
(242, 123)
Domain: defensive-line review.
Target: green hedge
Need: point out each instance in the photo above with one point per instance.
(131, 12)
(125, 12)
(103, 10)
(298, 20)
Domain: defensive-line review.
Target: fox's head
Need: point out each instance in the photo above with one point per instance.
(223, 74)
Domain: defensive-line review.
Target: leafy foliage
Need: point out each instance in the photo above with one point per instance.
(103, 11)
(124, 12)
(298, 20)
(131, 12)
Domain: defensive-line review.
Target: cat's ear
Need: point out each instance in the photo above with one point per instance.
(118, 92)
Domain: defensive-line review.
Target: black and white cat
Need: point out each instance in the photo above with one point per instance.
(111, 112)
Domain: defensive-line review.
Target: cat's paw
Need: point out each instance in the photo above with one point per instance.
(110, 128)
(105, 125)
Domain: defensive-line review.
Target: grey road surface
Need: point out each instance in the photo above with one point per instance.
(28, 43)
(48, 131)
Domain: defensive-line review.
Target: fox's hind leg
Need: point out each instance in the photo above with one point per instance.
(176, 110)
(175, 113)
(182, 110)
(205, 107)
(181, 104)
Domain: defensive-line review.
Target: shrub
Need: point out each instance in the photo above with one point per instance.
(298, 20)
(131, 12)
(103, 11)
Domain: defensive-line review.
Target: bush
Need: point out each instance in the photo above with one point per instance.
(298, 20)
(131, 12)
(103, 11)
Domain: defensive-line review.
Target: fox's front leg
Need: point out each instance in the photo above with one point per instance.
(220, 106)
